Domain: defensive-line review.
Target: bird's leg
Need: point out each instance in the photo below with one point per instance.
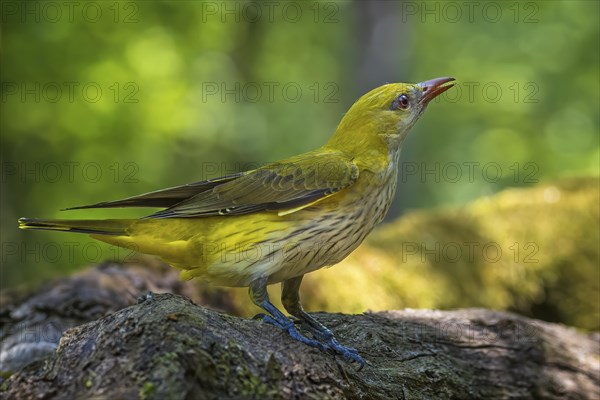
(290, 297)
(259, 296)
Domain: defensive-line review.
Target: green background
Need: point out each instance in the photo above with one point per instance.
(103, 100)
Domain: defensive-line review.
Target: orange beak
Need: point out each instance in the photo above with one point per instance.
(433, 88)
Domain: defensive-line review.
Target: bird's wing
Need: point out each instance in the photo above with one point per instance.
(164, 197)
(285, 186)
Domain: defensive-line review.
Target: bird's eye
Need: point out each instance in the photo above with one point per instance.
(401, 102)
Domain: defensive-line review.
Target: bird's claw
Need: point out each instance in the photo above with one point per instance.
(325, 341)
(292, 331)
(326, 337)
(350, 354)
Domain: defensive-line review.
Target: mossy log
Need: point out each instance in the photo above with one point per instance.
(166, 347)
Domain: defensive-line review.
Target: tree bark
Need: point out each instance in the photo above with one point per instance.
(166, 347)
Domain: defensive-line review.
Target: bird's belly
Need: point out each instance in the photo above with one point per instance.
(324, 242)
(332, 236)
(307, 240)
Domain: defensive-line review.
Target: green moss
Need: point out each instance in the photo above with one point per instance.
(5, 374)
(146, 391)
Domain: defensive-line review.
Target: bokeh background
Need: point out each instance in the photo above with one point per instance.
(103, 100)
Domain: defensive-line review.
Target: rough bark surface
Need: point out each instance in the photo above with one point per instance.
(166, 347)
(32, 321)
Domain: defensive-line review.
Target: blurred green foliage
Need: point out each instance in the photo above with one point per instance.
(103, 100)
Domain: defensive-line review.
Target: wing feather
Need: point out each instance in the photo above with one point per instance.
(164, 197)
(291, 186)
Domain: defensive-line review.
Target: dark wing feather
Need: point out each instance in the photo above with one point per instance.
(164, 197)
(294, 183)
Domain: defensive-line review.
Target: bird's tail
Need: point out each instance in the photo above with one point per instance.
(112, 227)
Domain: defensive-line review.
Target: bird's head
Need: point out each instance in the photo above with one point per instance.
(386, 114)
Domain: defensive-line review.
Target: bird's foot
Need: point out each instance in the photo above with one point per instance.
(291, 329)
(326, 337)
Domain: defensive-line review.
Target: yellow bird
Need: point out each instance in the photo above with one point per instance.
(280, 221)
